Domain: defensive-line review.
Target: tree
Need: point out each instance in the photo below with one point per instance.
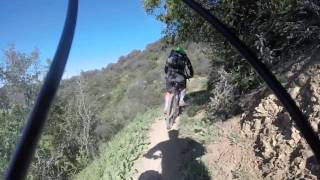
(19, 80)
(86, 114)
(20, 75)
(274, 29)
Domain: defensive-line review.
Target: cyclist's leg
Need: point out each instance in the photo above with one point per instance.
(183, 93)
(168, 95)
(167, 98)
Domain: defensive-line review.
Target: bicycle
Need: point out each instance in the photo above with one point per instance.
(174, 108)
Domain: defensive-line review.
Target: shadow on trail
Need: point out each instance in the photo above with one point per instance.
(150, 175)
(178, 160)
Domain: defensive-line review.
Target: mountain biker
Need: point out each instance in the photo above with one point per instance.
(178, 69)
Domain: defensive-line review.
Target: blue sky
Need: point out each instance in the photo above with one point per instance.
(106, 29)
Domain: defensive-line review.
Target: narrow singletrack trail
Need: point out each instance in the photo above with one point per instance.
(166, 150)
(229, 156)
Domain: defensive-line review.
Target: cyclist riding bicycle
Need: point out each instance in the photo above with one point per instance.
(178, 69)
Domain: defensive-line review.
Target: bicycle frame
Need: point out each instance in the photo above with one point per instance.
(174, 108)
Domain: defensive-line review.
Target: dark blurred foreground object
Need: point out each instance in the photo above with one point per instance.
(280, 92)
(21, 158)
(150, 175)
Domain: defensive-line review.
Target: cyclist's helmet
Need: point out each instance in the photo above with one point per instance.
(180, 50)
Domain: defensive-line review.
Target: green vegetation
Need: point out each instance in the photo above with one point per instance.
(195, 122)
(201, 130)
(19, 74)
(116, 159)
(89, 109)
(107, 111)
(118, 155)
(281, 32)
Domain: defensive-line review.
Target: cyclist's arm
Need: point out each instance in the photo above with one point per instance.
(166, 68)
(189, 65)
(150, 153)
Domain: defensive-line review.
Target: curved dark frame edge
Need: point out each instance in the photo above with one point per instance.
(289, 104)
(25, 148)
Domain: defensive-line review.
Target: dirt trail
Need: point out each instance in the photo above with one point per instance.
(152, 166)
(229, 157)
(262, 143)
(170, 156)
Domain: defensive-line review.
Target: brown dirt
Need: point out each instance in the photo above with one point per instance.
(280, 150)
(231, 156)
(158, 136)
(263, 143)
(269, 143)
(168, 157)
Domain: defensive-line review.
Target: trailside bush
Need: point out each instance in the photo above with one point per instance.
(223, 96)
(280, 32)
(117, 157)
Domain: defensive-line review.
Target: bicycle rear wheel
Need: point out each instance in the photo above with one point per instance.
(173, 110)
(170, 111)
(176, 106)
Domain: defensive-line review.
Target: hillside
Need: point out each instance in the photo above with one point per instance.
(106, 124)
(89, 110)
(130, 86)
(260, 143)
(243, 128)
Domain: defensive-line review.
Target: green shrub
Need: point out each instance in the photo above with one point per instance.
(118, 155)
(223, 97)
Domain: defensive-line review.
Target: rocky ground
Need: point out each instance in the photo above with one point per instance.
(280, 150)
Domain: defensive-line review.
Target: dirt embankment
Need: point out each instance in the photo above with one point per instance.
(230, 156)
(281, 151)
(263, 143)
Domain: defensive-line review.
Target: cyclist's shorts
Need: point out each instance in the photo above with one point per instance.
(173, 78)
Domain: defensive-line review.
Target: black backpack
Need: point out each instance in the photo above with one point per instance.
(176, 61)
